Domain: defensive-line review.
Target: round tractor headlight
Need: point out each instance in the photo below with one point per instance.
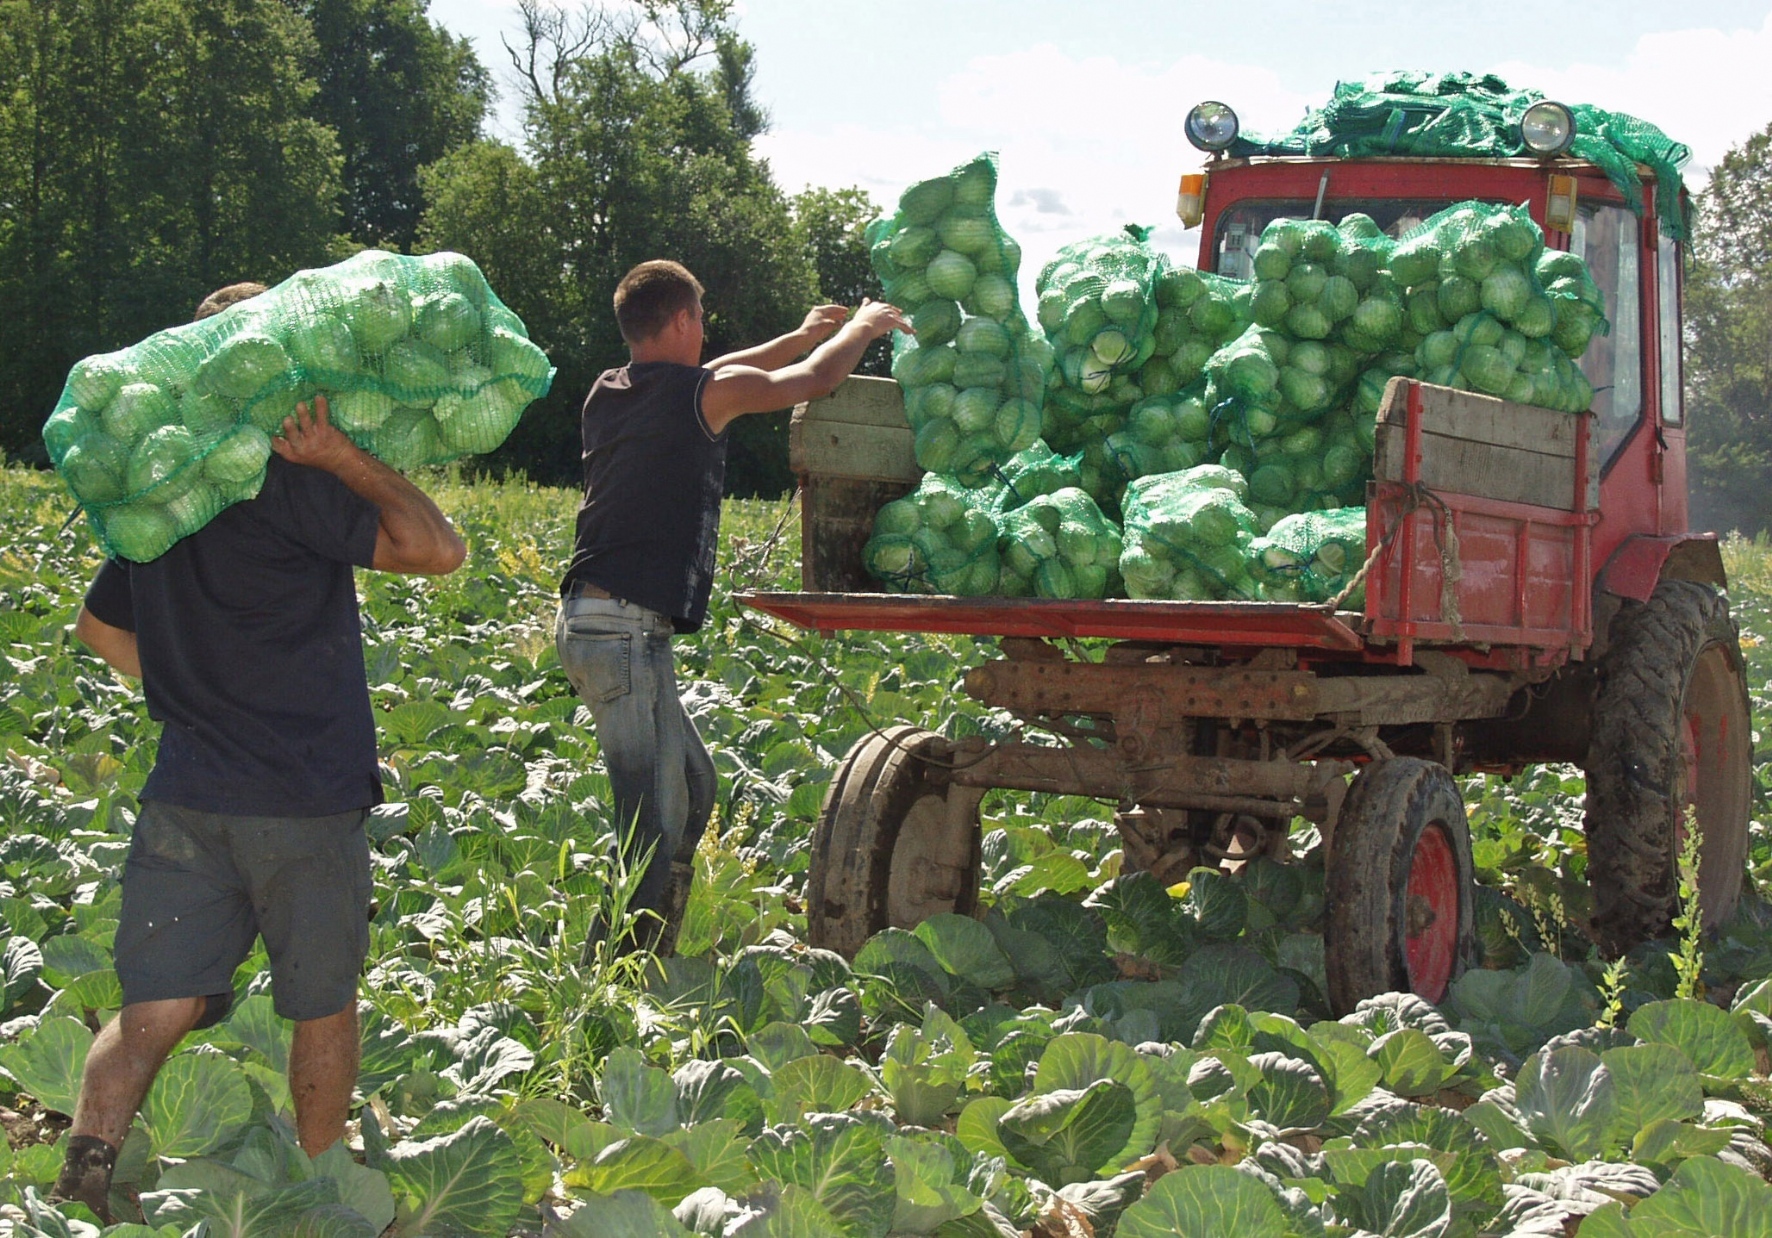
(1547, 128)
(1211, 126)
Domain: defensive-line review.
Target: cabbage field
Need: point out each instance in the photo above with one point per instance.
(1094, 1055)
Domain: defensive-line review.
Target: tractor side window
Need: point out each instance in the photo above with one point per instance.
(1668, 287)
(1606, 238)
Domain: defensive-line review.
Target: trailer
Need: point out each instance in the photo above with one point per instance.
(1532, 595)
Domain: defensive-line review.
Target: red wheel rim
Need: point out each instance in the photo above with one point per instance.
(1431, 911)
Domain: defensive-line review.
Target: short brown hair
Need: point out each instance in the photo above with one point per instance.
(221, 298)
(652, 294)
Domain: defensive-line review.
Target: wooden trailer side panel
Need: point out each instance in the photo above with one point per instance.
(852, 451)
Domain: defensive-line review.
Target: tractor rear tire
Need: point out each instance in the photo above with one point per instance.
(1670, 729)
(895, 843)
(1400, 885)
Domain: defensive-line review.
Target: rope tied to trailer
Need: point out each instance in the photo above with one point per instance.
(1415, 497)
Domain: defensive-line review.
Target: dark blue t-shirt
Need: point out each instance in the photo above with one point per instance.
(252, 653)
(649, 526)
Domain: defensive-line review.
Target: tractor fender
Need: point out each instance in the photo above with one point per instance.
(1645, 560)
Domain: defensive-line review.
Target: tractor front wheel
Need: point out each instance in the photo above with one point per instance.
(1400, 885)
(1670, 734)
(895, 844)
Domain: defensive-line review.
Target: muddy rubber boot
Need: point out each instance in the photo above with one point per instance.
(86, 1175)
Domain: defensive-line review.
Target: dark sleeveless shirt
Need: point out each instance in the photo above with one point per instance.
(649, 526)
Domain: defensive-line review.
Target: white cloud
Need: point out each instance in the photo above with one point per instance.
(1085, 145)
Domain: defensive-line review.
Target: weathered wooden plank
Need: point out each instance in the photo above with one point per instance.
(1483, 418)
(842, 449)
(861, 400)
(1488, 470)
(838, 519)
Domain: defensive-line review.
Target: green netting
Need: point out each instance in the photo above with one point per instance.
(1163, 434)
(974, 375)
(1310, 556)
(1059, 545)
(421, 362)
(1187, 536)
(938, 539)
(1185, 315)
(1478, 115)
(1495, 311)
(1029, 474)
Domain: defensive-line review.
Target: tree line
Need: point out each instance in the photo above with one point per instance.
(153, 150)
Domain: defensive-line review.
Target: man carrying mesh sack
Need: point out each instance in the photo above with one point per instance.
(642, 567)
(246, 637)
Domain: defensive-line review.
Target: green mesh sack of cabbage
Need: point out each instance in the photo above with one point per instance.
(1187, 535)
(938, 539)
(1312, 467)
(1029, 474)
(1059, 545)
(1320, 281)
(1310, 556)
(974, 374)
(1265, 382)
(420, 361)
(1162, 434)
(1493, 311)
(1110, 357)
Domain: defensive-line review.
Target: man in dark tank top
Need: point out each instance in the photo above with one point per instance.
(654, 442)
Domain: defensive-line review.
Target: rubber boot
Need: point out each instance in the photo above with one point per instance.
(86, 1175)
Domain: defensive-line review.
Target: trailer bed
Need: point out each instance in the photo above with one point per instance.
(1480, 522)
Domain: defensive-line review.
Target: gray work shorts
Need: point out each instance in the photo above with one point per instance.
(198, 887)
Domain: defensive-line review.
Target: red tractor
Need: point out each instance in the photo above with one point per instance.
(1535, 596)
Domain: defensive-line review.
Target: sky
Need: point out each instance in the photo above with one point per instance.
(1084, 103)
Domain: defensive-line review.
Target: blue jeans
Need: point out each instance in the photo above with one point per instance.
(618, 658)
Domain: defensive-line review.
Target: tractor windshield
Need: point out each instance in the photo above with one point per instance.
(1239, 228)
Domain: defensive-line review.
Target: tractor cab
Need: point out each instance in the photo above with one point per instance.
(1634, 369)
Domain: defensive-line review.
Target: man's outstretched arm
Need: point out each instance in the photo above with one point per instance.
(415, 537)
(740, 389)
(821, 323)
(115, 645)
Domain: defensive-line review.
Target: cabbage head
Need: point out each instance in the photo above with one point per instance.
(66, 427)
(359, 412)
(1338, 298)
(140, 532)
(159, 457)
(1487, 370)
(1506, 292)
(448, 321)
(1017, 425)
(408, 439)
(416, 369)
(1305, 281)
(238, 457)
(94, 468)
(204, 414)
(1272, 261)
(135, 410)
(1308, 322)
(924, 364)
(513, 356)
(967, 234)
(936, 322)
(379, 312)
(924, 202)
(195, 507)
(978, 369)
(474, 424)
(936, 446)
(244, 365)
(951, 275)
(982, 335)
(1538, 319)
(1475, 258)
(1270, 302)
(323, 344)
(95, 380)
(1415, 262)
(1123, 301)
(975, 410)
(933, 400)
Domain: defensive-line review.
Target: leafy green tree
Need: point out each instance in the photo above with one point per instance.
(637, 130)
(150, 150)
(831, 224)
(1729, 342)
(400, 92)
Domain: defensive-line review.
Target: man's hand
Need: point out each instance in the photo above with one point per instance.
(879, 318)
(310, 438)
(823, 322)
